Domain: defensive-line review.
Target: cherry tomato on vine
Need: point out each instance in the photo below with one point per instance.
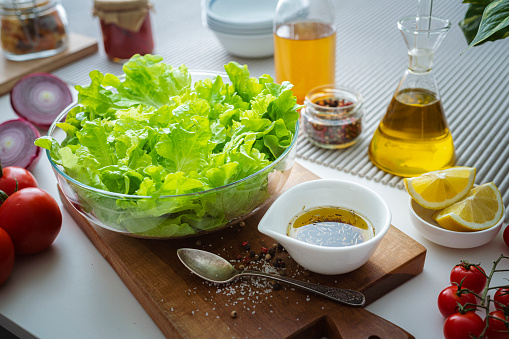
(32, 218)
(473, 277)
(506, 235)
(463, 325)
(501, 298)
(448, 300)
(7, 255)
(12, 174)
(497, 328)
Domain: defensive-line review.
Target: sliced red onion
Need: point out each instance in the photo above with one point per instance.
(17, 144)
(40, 97)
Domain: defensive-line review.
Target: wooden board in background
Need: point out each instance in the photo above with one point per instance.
(11, 71)
(183, 305)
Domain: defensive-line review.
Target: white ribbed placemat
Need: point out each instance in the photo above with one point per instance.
(372, 57)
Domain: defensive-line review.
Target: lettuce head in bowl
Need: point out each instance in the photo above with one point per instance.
(164, 152)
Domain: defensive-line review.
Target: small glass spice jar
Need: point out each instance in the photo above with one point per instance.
(126, 27)
(332, 116)
(32, 29)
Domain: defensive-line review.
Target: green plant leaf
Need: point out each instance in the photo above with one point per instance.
(493, 24)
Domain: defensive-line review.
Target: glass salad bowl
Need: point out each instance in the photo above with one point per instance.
(164, 216)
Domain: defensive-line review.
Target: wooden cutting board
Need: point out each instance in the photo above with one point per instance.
(11, 71)
(185, 306)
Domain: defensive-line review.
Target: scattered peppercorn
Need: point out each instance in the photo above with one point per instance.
(246, 246)
(276, 286)
(268, 256)
(198, 242)
(233, 314)
(256, 257)
(282, 264)
(264, 250)
(241, 267)
(247, 260)
(276, 263)
(252, 254)
(274, 245)
(280, 247)
(272, 251)
(242, 224)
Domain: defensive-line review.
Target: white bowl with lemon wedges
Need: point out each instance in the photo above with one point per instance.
(447, 208)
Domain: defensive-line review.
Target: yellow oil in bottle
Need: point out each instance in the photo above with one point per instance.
(413, 137)
(305, 55)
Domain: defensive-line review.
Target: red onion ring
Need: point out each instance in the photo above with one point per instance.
(17, 144)
(39, 98)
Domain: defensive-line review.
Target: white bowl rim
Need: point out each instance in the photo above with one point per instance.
(411, 201)
(243, 36)
(386, 223)
(131, 196)
(210, 12)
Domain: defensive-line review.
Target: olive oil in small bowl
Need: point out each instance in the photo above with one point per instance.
(328, 226)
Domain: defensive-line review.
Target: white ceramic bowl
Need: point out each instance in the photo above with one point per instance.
(422, 219)
(247, 46)
(327, 192)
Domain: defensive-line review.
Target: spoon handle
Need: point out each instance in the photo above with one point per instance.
(344, 296)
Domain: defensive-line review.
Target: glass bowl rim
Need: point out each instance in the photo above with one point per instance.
(132, 196)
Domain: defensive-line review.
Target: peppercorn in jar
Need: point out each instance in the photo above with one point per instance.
(332, 116)
(126, 27)
(32, 29)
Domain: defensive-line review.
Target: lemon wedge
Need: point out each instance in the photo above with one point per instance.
(439, 189)
(482, 208)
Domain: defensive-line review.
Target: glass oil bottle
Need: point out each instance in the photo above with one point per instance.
(413, 137)
(304, 44)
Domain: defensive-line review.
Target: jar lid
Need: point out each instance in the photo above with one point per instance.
(23, 5)
(127, 14)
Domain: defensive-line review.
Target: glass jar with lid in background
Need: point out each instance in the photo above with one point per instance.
(126, 27)
(304, 44)
(332, 117)
(32, 29)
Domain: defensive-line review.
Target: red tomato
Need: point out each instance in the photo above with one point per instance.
(497, 326)
(448, 300)
(506, 235)
(6, 256)
(473, 278)
(501, 298)
(32, 218)
(11, 174)
(463, 325)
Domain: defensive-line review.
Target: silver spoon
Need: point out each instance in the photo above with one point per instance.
(213, 268)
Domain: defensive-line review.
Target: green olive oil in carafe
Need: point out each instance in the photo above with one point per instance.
(413, 136)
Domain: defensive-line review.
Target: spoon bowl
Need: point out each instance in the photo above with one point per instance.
(215, 269)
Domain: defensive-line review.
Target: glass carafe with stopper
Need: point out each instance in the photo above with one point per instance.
(413, 137)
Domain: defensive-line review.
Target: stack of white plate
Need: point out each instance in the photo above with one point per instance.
(244, 27)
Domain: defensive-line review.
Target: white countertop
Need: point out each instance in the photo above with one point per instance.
(70, 291)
